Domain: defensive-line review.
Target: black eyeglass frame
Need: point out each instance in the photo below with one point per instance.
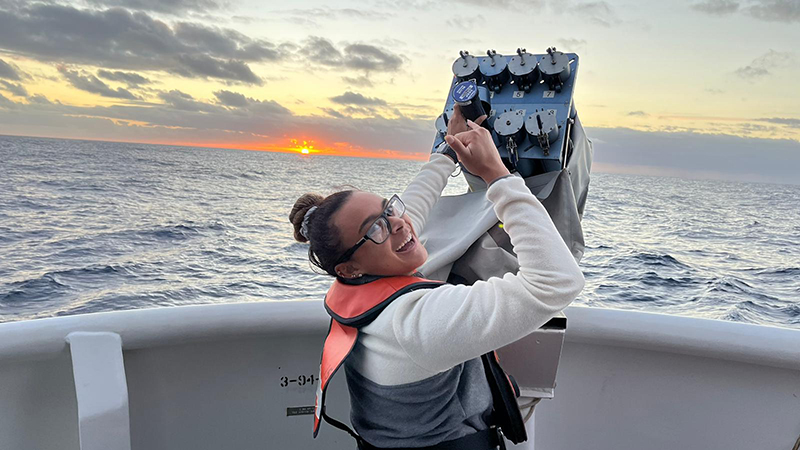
(385, 217)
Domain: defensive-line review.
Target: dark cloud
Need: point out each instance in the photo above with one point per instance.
(371, 58)
(362, 81)
(87, 82)
(130, 78)
(250, 105)
(8, 71)
(353, 98)
(192, 65)
(39, 99)
(751, 73)
(333, 113)
(638, 113)
(161, 6)
(717, 7)
(763, 65)
(185, 102)
(120, 39)
(6, 103)
(776, 10)
(364, 57)
(787, 11)
(229, 98)
(16, 89)
(696, 155)
(789, 122)
(184, 118)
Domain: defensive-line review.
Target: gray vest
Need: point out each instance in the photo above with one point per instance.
(446, 406)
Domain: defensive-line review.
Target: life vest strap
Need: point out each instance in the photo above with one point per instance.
(342, 427)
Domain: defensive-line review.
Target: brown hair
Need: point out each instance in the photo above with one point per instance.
(325, 242)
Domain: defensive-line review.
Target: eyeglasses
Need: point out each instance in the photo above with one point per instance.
(380, 229)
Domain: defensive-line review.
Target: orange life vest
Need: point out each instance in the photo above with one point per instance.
(352, 306)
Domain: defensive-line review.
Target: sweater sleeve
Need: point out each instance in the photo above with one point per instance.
(424, 191)
(452, 324)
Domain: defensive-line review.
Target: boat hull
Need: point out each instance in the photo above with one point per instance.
(243, 376)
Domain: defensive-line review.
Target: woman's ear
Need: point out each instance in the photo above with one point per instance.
(348, 269)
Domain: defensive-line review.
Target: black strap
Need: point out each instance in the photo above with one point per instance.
(487, 439)
(342, 427)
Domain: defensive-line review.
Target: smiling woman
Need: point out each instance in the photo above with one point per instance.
(412, 348)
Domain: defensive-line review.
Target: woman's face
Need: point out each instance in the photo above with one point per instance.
(389, 258)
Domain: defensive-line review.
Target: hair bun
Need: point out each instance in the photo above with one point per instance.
(299, 210)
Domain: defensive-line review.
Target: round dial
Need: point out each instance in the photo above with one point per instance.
(465, 67)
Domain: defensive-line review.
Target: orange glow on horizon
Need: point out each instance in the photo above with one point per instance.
(307, 147)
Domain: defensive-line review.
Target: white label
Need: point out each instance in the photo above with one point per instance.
(518, 94)
(491, 94)
(549, 94)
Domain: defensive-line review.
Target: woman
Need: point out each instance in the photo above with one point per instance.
(414, 373)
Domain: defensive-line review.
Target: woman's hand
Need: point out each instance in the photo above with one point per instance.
(458, 124)
(477, 152)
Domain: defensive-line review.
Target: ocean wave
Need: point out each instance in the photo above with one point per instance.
(90, 226)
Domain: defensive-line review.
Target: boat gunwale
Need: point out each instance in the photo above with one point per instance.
(155, 327)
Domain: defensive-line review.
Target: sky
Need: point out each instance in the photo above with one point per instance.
(701, 88)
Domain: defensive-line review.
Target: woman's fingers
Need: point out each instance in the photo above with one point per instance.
(473, 125)
(457, 113)
(457, 145)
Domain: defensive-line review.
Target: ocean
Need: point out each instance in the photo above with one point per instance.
(95, 226)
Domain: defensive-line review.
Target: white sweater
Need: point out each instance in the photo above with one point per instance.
(428, 331)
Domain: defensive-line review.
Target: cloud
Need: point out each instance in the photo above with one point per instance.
(6, 103)
(366, 57)
(789, 122)
(120, 39)
(787, 11)
(15, 89)
(193, 65)
(249, 104)
(571, 45)
(130, 78)
(229, 98)
(761, 66)
(185, 102)
(600, 13)
(362, 81)
(353, 98)
(717, 7)
(87, 82)
(638, 113)
(751, 73)
(696, 155)
(776, 11)
(183, 118)
(161, 6)
(8, 71)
